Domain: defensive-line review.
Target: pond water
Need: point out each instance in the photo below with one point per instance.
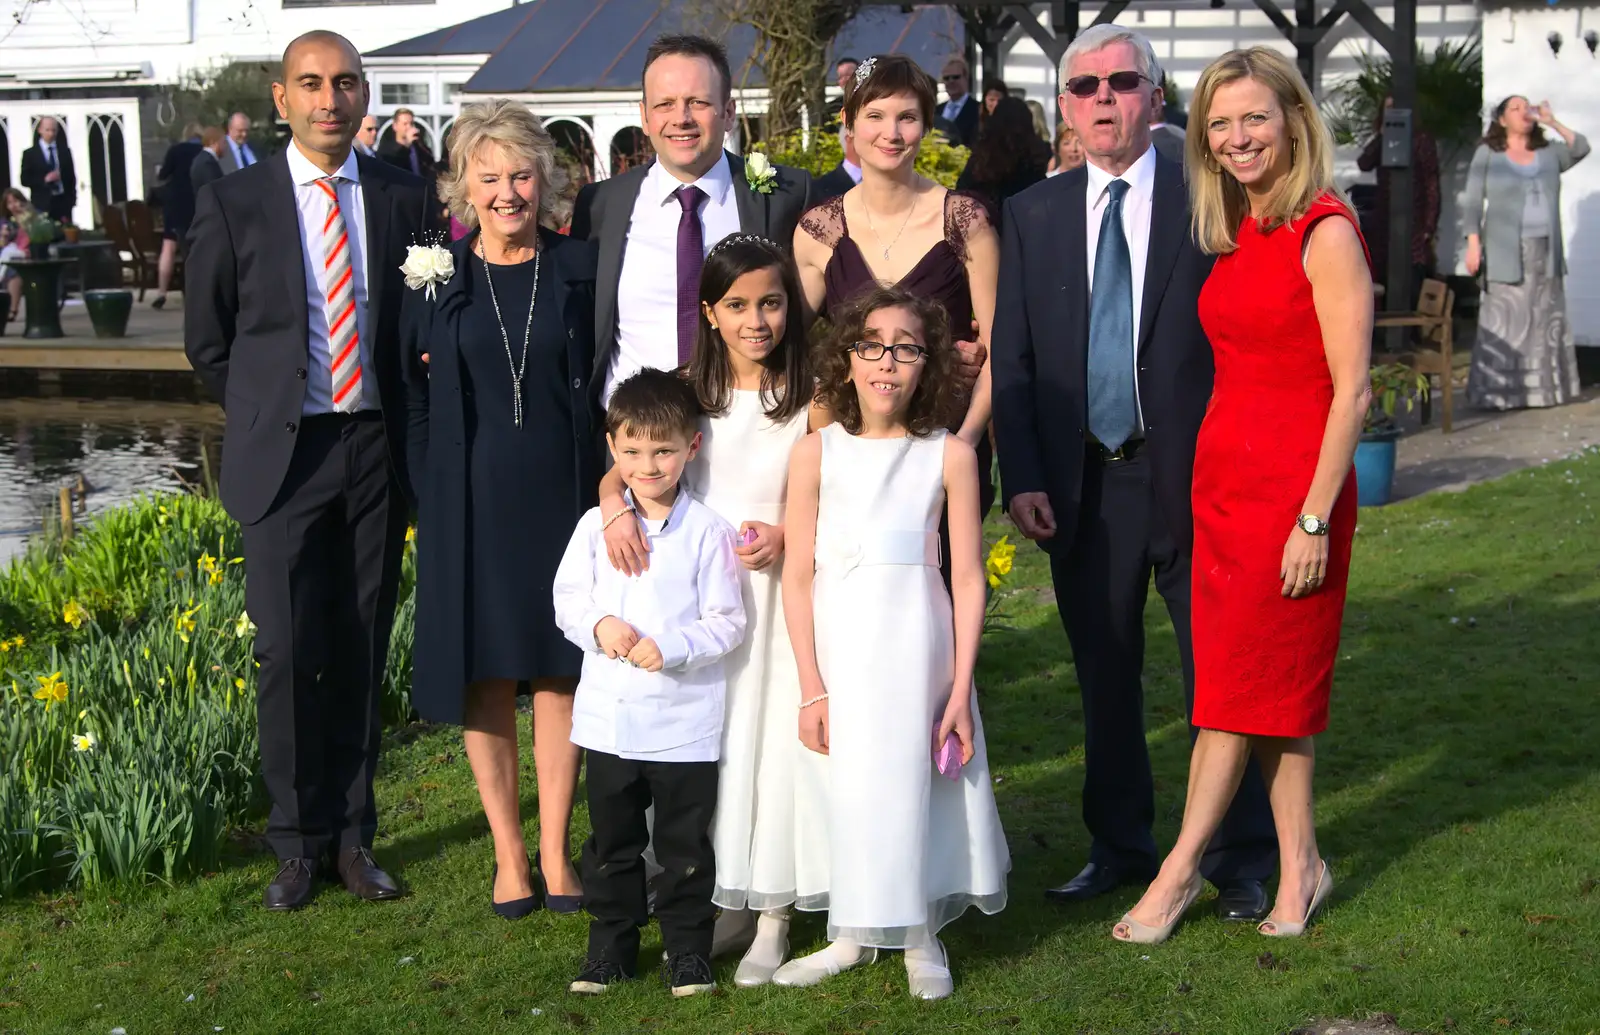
(122, 435)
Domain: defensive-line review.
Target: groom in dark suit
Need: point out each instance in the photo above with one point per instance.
(291, 318)
(1101, 378)
(666, 215)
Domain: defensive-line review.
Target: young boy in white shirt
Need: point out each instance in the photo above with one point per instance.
(648, 709)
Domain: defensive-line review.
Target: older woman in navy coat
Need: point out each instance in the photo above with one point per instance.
(503, 455)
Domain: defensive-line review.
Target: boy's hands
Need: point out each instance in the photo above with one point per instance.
(616, 637)
(646, 655)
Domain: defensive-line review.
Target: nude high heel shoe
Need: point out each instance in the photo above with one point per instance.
(1145, 935)
(1288, 929)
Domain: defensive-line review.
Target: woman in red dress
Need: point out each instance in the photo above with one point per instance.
(1288, 309)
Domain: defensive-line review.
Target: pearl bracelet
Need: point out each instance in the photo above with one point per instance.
(613, 518)
(814, 700)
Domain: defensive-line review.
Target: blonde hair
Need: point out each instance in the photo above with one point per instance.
(1216, 199)
(511, 126)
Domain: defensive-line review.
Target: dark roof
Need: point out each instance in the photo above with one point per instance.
(555, 45)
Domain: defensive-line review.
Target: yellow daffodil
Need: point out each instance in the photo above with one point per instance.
(210, 569)
(994, 581)
(85, 741)
(185, 621)
(243, 626)
(75, 614)
(238, 684)
(411, 533)
(52, 690)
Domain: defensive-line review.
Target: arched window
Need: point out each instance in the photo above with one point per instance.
(629, 148)
(108, 169)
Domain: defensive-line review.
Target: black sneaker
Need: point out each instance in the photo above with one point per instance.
(597, 976)
(688, 973)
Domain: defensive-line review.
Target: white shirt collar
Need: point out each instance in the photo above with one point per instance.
(302, 172)
(717, 182)
(1141, 176)
(674, 516)
(852, 168)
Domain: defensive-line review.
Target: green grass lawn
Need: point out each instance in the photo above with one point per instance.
(1458, 801)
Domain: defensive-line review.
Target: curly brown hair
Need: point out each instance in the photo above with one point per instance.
(939, 400)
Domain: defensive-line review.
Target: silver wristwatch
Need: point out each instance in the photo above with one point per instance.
(1310, 524)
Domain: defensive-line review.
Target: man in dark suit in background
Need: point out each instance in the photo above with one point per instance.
(207, 165)
(1101, 378)
(842, 176)
(405, 149)
(667, 215)
(958, 118)
(48, 172)
(291, 318)
(238, 154)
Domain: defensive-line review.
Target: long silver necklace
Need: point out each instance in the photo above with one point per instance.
(907, 222)
(517, 368)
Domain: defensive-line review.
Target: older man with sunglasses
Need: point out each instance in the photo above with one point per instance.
(1101, 378)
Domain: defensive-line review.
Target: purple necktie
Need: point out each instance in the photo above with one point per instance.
(416, 163)
(691, 256)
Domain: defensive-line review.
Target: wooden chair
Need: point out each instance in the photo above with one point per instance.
(1433, 318)
(129, 257)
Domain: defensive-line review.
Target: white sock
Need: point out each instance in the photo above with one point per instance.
(772, 939)
(929, 953)
(846, 952)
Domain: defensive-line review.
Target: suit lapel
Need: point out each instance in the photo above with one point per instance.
(1071, 255)
(282, 231)
(377, 202)
(1169, 221)
(752, 213)
(613, 214)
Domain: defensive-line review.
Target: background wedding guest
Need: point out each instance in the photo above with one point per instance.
(666, 215)
(1268, 469)
(238, 154)
(18, 210)
(844, 73)
(1524, 354)
(406, 148)
(1041, 124)
(48, 172)
(994, 91)
(901, 228)
(503, 452)
(1008, 159)
(1068, 151)
(958, 118)
(292, 320)
(844, 175)
(1424, 202)
(1167, 138)
(10, 279)
(367, 137)
(207, 164)
(1101, 376)
(177, 206)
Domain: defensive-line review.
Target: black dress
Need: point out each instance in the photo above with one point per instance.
(517, 528)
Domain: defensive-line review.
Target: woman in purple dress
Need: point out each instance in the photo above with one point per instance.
(898, 228)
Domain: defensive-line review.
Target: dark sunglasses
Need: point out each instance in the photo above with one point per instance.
(1121, 82)
(871, 351)
(952, 78)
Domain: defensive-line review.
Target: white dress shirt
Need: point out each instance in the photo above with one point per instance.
(689, 602)
(52, 161)
(647, 290)
(242, 155)
(312, 207)
(1136, 203)
(851, 169)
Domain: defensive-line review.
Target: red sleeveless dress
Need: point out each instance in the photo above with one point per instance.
(1263, 662)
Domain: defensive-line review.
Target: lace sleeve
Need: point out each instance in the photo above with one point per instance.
(964, 215)
(825, 222)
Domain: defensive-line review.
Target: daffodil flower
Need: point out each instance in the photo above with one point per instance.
(185, 621)
(52, 690)
(85, 741)
(243, 626)
(75, 614)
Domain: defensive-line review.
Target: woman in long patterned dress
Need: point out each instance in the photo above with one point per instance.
(1524, 354)
(1288, 309)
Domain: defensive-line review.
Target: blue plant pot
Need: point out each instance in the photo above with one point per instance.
(1375, 468)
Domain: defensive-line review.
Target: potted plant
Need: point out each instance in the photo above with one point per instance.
(42, 232)
(70, 232)
(1392, 384)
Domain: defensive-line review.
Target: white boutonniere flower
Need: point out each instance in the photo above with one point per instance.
(427, 266)
(759, 173)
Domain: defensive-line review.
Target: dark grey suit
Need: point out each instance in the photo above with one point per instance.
(1168, 140)
(604, 210)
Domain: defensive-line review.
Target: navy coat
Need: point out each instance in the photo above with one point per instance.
(436, 453)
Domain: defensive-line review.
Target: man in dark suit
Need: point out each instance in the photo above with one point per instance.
(666, 215)
(207, 165)
(1167, 139)
(842, 176)
(1101, 378)
(237, 153)
(958, 119)
(405, 148)
(48, 173)
(291, 318)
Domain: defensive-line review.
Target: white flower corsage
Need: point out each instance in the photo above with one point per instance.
(427, 266)
(759, 173)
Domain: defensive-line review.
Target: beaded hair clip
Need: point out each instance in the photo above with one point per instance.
(733, 239)
(864, 71)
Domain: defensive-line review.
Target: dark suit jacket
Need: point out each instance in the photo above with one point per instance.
(963, 129)
(34, 170)
(437, 418)
(1168, 140)
(400, 157)
(832, 185)
(604, 210)
(1040, 349)
(244, 314)
(203, 170)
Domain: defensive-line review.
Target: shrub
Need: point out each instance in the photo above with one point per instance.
(938, 159)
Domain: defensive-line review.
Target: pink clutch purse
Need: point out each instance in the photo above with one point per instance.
(948, 757)
(747, 537)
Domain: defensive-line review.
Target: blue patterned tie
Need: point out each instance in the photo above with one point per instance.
(1113, 407)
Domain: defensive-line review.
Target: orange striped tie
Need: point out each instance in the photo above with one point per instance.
(339, 305)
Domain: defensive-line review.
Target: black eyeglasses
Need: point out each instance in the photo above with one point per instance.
(874, 350)
(1121, 82)
(952, 78)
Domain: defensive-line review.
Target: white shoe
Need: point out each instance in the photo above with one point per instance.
(817, 968)
(753, 974)
(927, 979)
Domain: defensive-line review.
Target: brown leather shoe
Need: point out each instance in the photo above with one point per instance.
(361, 874)
(292, 887)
